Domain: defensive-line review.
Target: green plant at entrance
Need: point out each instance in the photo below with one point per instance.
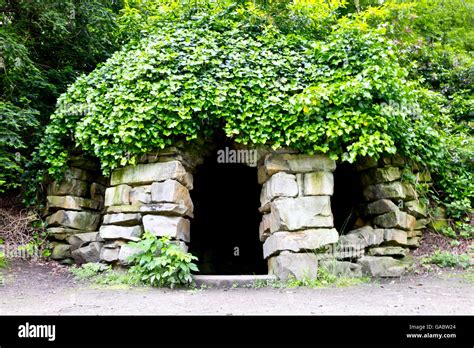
(161, 262)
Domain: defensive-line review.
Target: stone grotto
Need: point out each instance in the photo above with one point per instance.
(286, 216)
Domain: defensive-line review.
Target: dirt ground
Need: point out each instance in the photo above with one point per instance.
(30, 288)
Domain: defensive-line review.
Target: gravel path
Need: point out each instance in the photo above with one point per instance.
(43, 289)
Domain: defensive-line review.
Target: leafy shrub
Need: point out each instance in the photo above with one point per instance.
(102, 274)
(447, 259)
(161, 262)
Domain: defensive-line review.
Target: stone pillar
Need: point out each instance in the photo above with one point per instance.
(152, 196)
(73, 212)
(297, 220)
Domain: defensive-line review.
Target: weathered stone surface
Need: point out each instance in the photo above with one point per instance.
(288, 264)
(109, 254)
(409, 191)
(391, 190)
(68, 186)
(81, 220)
(348, 248)
(380, 175)
(396, 219)
(60, 251)
(63, 231)
(72, 203)
(80, 239)
(290, 214)
(439, 219)
(171, 191)
(78, 173)
(83, 162)
(115, 243)
(388, 251)
(366, 163)
(414, 233)
(298, 241)
(381, 206)
(121, 232)
(413, 242)
(143, 174)
(279, 185)
(122, 219)
(381, 266)
(342, 268)
(395, 237)
(297, 163)
(395, 160)
(416, 208)
(97, 191)
(88, 253)
(140, 194)
(363, 237)
(421, 224)
(157, 208)
(318, 184)
(261, 174)
(127, 251)
(264, 228)
(171, 226)
(118, 195)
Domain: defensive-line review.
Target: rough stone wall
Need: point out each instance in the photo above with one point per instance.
(393, 217)
(73, 213)
(295, 201)
(151, 196)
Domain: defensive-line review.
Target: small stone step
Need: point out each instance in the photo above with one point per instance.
(228, 281)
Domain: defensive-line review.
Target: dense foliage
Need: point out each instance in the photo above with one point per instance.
(348, 78)
(44, 46)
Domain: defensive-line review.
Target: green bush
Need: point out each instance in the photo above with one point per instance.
(161, 262)
(447, 259)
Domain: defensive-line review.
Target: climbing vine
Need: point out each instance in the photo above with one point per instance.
(345, 95)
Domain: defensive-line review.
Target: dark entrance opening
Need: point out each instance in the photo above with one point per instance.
(224, 231)
(347, 197)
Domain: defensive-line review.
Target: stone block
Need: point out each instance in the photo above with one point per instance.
(140, 195)
(421, 224)
(381, 206)
(80, 220)
(122, 219)
(72, 203)
(68, 187)
(88, 253)
(292, 265)
(395, 237)
(171, 191)
(264, 228)
(396, 219)
(409, 191)
(78, 173)
(109, 254)
(380, 175)
(121, 232)
(126, 252)
(391, 190)
(416, 208)
(118, 195)
(381, 266)
(279, 185)
(388, 251)
(171, 226)
(413, 242)
(366, 163)
(363, 237)
(60, 251)
(342, 268)
(170, 209)
(297, 163)
(80, 239)
(298, 241)
(97, 191)
(143, 174)
(291, 214)
(318, 184)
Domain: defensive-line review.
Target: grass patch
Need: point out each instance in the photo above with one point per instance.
(323, 280)
(103, 275)
(445, 259)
